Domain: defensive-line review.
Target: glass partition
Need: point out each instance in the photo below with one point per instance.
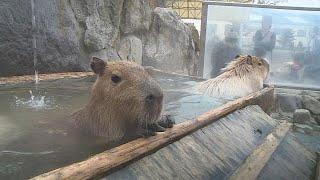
(288, 38)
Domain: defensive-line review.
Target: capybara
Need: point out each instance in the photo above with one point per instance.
(125, 99)
(242, 76)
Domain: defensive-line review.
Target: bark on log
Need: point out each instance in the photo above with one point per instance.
(118, 157)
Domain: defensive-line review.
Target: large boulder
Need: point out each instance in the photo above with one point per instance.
(15, 37)
(131, 49)
(289, 102)
(66, 33)
(169, 41)
(312, 104)
(303, 116)
(136, 17)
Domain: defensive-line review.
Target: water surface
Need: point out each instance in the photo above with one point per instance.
(36, 134)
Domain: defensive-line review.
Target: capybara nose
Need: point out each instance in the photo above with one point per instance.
(151, 98)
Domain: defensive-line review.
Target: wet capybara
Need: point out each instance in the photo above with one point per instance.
(242, 76)
(124, 100)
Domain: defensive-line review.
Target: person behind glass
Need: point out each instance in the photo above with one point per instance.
(224, 51)
(315, 46)
(264, 39)
(313, 56)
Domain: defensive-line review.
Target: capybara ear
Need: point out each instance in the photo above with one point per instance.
(237, 56)
(249, 60)
(98, 65)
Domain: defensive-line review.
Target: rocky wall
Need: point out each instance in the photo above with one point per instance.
(67, 33)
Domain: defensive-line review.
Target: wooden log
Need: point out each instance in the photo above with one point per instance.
(254, 163)
(42, 77)
(115, 158)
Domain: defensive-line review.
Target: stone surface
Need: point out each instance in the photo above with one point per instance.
(67, 33)
(289, 102)
(301, 116)
(131, 49)
(312, 104)
(136, 17)
(291, 99)
(169, 41)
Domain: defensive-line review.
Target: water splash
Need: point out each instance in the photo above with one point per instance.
(36, 102)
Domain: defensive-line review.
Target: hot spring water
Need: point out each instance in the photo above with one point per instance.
(36, 134)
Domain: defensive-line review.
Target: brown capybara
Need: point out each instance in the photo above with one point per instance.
(124, 100)
(242, 76)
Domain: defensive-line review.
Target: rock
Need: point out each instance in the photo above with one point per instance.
(192, 64)
(312, 104)
(157, 3)
(67, 33)
(289, 102)
(317, 118)
(136, 16)
(131, 49)
(168, 43)
(15, 37)
(301, 116)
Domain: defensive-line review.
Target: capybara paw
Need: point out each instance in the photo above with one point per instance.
(156, 127)
(166, 121)
(146, 133)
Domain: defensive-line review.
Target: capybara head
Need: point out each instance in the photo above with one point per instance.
(243, 75)
(248, 65)
(123, 96)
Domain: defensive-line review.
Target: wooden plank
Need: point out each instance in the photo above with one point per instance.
(252, 166)
(266, 101)
(42, 77)
(126, 153)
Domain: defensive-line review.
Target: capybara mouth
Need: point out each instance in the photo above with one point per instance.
(153, 113)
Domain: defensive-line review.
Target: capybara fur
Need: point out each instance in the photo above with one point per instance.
(242, 76)
(124, 99)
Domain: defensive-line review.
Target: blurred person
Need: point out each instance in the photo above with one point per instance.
(264, 39)
(312, 63)
(224, 51)
(297, 67)
(314, 47)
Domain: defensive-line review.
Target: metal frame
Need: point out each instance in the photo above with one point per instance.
(204, 14)
(190, 11)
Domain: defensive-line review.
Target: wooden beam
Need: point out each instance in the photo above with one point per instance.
(42, 77)
(118, 157)
(255, 162)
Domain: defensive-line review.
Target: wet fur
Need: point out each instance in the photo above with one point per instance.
(242, 76)
(116, 109)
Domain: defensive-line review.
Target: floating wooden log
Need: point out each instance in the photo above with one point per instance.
(118, 157)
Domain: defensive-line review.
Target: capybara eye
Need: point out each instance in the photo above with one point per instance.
(259, 63)
(115, 78)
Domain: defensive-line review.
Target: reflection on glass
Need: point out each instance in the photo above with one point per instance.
(288, 39)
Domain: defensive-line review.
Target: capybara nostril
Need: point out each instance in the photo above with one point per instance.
(150, 98)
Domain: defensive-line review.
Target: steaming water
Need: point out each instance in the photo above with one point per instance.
(36, 134)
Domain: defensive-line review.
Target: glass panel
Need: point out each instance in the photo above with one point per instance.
(288, 39)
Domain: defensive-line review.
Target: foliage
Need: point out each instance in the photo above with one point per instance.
(286, 39)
